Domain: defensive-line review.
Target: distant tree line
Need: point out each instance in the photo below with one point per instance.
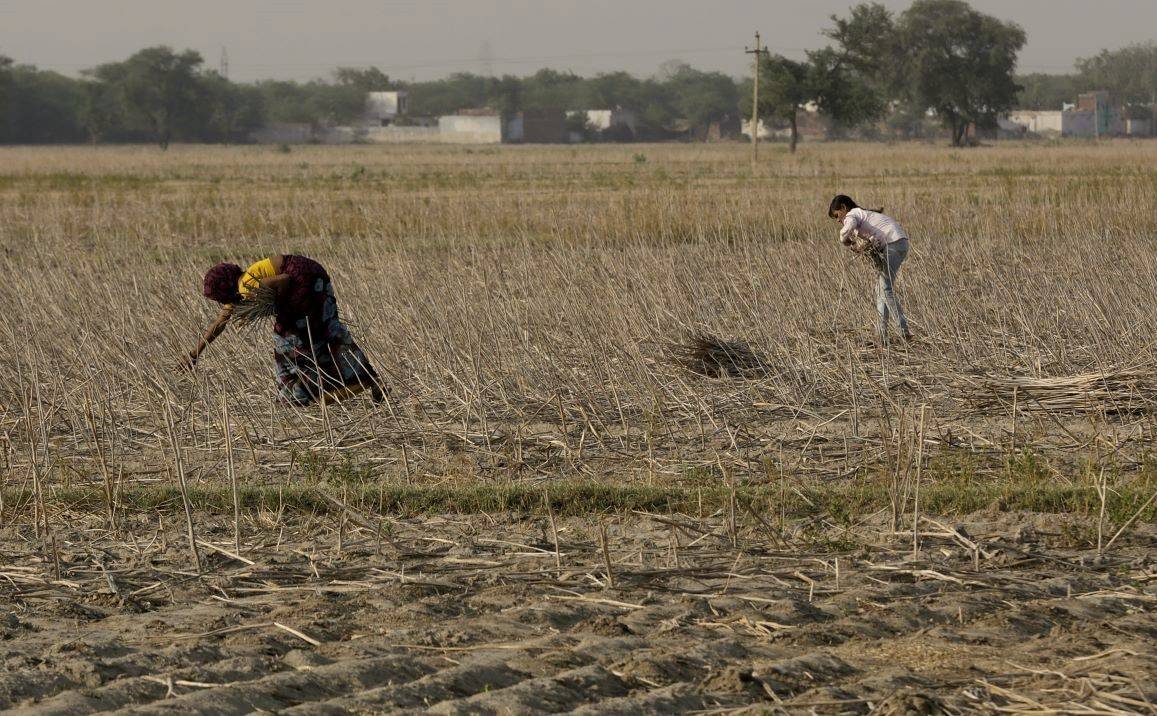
(1129, 73)
(881, 70)
(938, 55)
(677, 92)
(940, 58)
(160, 95)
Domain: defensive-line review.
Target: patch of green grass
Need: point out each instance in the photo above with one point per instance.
(844, 501)
(80, 181)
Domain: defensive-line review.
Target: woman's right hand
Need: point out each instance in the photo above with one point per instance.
(189, 362)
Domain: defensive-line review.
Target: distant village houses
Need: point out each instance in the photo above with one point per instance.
(809, 125)
(387, 120)
(385, 107)
(621, 125)
(538, 126)
(1093, 115)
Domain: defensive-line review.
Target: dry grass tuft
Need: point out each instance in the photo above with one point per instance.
(710, 355)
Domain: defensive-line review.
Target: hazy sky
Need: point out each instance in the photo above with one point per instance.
(431, 38)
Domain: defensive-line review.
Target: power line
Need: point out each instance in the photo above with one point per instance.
(471, 60)
(504, 61)
(486, 59)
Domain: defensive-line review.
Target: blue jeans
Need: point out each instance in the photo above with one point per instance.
(888, 265)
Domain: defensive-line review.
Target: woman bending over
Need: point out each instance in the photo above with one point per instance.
(880, 237)
(313, 350)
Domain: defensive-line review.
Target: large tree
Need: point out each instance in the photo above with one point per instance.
(368, 79)
(162, 89)
(102, 111)
(842, 93)
(447, 95)
(1039, 90)
(43, 107)
(318, 102)
(614, 89)
(235, 109)
(345, 98)
(551, 89)
(700, 97)
(504, 94)
(959, 63)
(854, 81)
(784, 88)
(5, 94)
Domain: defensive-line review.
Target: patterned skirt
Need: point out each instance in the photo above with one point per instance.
(312, 348)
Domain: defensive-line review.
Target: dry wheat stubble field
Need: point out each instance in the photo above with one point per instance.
(551, 513)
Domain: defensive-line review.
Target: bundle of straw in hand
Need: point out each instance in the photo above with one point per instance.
(258, 305)
(871, 251)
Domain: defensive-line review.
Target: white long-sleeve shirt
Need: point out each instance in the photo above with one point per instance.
(879, 229)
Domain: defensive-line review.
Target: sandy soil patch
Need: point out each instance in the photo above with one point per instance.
(481, 614)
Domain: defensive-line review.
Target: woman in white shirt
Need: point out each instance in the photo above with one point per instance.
(883, 239)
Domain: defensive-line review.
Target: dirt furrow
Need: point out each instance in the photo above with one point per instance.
(1031, 619)
(123, 692)
(278, 691)
(547, 694)
(477, 673)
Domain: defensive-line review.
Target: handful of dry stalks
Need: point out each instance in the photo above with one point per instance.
(710, 355)
(872, 252)
(260, 304)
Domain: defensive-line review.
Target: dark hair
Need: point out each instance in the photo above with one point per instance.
(221, 283)
(845, 202)
(842, 201)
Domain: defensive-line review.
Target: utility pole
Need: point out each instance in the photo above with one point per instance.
(1096, 115)
(486, 59)
(224, 65)
(755, 101)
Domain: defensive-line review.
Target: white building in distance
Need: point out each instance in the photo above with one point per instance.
(765, 132)
(603, 119)
(470, 129)
(382, 108)
(1064, 123)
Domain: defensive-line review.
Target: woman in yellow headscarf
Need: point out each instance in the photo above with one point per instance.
(313, 349)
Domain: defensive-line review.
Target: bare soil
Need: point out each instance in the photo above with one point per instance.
(996, 612)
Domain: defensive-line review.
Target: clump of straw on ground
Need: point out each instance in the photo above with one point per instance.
(710, 355)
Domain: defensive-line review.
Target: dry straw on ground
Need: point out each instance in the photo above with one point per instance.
(518, 301)
(710, 355)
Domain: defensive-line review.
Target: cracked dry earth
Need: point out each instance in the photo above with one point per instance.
(998, 613)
